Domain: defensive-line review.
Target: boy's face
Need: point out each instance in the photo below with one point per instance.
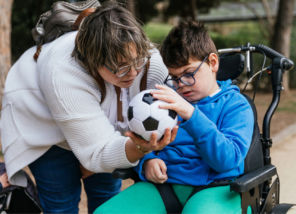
(205, 78)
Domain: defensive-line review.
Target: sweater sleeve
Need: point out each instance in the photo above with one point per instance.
(157, 71)
(73, 98)
(225, 148)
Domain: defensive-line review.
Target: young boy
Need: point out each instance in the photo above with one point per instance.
(213, 139)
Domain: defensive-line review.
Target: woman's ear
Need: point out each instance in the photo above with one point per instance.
(214, 62)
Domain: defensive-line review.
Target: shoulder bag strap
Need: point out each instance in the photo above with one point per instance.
(143, 84)
(81, 16)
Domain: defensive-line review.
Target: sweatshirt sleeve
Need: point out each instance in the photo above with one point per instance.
(73, 98)
(225, 148)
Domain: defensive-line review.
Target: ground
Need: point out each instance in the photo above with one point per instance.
(285, 114)
(283, 154)
(283, 157)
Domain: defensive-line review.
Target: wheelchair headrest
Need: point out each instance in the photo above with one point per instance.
(231, 67)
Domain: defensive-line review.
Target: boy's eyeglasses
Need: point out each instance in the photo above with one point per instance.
(186, 79)
(122, 71)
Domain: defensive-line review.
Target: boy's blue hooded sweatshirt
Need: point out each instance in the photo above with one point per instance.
(212, 144)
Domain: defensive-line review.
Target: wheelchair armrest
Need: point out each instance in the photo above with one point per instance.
(253, 179)
(124, 173)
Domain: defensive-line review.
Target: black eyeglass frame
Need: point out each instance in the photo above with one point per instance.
(130, 66)
(179, 79)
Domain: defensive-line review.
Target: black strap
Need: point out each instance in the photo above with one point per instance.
(171, 202)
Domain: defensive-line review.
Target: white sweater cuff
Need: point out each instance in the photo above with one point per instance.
(114, 156)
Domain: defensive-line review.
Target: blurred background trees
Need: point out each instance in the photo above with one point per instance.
(23, 20)
(5, 31)
(230, 23)
(282, 32)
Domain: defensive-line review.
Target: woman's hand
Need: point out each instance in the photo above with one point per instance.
(153, 144)
(84, 172)
(175, 101)
(4, 180)
(133, 154)
(155, 170)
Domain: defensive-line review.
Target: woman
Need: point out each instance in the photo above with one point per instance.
(70, 108)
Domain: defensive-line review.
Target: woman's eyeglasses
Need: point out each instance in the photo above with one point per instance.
(122, 71)
(186, 79)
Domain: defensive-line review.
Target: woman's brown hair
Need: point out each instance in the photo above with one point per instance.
(106, 36)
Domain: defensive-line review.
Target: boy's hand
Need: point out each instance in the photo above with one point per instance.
(84, 172)
(155, 170)
(176, 102)
(4, 180)
(153, 144)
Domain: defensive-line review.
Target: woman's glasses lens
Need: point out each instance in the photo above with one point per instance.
(138, 66)
(122, 71)
(141, 63)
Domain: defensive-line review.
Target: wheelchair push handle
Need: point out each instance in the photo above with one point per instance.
(272, 54)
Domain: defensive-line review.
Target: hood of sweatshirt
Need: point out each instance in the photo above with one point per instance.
(226, 88)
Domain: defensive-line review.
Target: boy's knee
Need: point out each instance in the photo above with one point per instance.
(142, 197)
(214, 200)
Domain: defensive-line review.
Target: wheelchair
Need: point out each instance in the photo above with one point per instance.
(259, 186)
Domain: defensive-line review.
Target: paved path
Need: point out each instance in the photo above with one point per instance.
(283, 156)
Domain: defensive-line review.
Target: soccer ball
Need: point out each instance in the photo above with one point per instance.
(145, 116)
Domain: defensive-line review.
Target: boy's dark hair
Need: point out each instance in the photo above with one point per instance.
(188, 39)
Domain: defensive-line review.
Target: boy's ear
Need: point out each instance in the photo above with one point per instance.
(214, 62)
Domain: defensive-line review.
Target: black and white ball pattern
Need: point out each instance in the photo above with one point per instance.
(145, 117)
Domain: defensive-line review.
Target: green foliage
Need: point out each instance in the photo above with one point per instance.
(157, 31)
(239, 34)
(183, 8)
(24, 18)
(145, 10)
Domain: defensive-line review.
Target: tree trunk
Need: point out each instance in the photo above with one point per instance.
(267, 12)
(131, 6)
(5, 36)
(193, 10)
(270, 20)
(282, 33)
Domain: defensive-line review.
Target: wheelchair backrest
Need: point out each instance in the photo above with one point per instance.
(254, 159)
(231, 67)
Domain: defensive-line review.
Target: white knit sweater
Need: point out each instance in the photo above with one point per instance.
(56, 102)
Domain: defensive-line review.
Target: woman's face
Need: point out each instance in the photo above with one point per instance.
(122, 82)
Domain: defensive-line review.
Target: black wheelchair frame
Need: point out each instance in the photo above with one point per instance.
(255, 186)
